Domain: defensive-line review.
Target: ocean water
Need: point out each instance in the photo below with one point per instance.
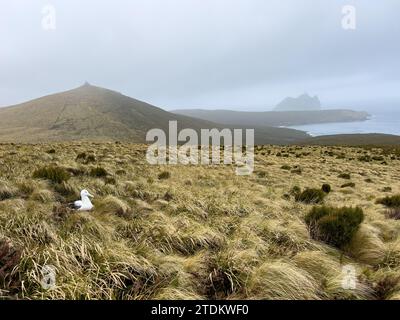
(381, 121)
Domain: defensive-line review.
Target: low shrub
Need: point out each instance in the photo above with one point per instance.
(90, 158)
(297, 170)
(348, 185)
(345, 176)
(365, 158)
(295, 191)
(81, 156)
(52, 173)
(311, 196)
(98, 172)
(391, 202)
(164, 175)
(326, 188)
(86, 158)
(334, 226)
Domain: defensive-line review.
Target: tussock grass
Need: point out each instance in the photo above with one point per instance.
(53, 174)
(113, 205)
(311, 196)
(191, 232)
(282, 281)
(367, 246)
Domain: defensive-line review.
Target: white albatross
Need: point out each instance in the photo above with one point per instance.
(84, 204)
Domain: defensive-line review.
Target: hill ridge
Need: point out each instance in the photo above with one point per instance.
(94, 113)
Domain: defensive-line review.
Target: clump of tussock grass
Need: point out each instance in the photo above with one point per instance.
(386, 284)
(390, 201)
(119, 273)
(113, 205)
(178, 235)
(67, 191)
(52, 173)
(76, 171)
(81, 156)
(7, 192)
(164, 175)
(138, 191)
(43, 196)
(39, 233)
(188, 237)
(366, 245)
(364, 158)
(310, 195)
(110, 180)
(345, 176)
(120, 172)
(335, 291)
(318, 264)
(296, 190)
(393, 213)
(297, 170)
(60, 212)
(348, 185)
(261, 173)
(335, 226)
(26, 187)
(282, 281)
(220, 284)
(168, 196)
(98, 172)
(180, 277)
(10, 257)
(392, 255)
(388, 231)
(284, 238)
(85, 158)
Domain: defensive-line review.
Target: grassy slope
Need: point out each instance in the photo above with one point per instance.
(93, 113)
(201, 233)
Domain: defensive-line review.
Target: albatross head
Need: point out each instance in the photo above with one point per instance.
(85, 194)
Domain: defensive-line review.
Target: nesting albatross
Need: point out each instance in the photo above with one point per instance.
(84, 204)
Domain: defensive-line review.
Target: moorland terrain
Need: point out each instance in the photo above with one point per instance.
(199, 232)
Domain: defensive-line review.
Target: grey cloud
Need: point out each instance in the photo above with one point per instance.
(203, 53)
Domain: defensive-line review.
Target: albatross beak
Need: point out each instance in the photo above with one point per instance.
(90, 195)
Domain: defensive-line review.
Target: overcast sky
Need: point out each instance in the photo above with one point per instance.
(239, 54)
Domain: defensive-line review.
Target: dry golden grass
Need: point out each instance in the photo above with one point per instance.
(195, 232)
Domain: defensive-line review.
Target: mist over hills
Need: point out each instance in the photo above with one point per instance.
(275, 118)
(93, 113)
